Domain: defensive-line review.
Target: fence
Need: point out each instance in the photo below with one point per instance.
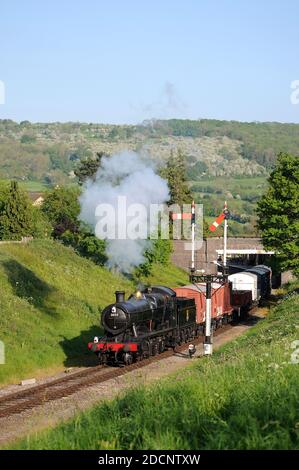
(23, 240)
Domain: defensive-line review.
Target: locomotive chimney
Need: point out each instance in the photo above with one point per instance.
(119, 296)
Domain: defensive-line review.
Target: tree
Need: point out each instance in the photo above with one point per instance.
(278, 212)
(62, 208)
(175, 173)
(88, 168)
(16, 219)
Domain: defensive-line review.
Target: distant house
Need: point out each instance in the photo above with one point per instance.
(36, 198)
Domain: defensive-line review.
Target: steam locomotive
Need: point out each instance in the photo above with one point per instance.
(149, 322)
(158, 317)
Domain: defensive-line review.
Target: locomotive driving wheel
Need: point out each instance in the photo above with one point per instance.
(183, 337)
(155, 348)
(128, 358)
(146, 349)
(161, 345)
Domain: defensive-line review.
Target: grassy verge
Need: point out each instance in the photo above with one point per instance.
(50, 300)
(245, 397)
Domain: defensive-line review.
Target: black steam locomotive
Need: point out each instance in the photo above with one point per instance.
(144, 325)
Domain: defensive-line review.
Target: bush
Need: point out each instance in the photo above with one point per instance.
(159, 252)
(41, 225)
(86, 244)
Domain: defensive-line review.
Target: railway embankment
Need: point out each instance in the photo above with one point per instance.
(243, 397)
(50, 302)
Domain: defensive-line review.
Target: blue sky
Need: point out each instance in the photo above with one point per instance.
(124, 61)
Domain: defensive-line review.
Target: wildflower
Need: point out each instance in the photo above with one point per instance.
(273, 365)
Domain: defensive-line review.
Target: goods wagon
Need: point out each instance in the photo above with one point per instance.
(221, 305)
(241, 301)
(263, 279)
(246, 281)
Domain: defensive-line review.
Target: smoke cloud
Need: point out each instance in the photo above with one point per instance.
(127, 177)
(167, 104)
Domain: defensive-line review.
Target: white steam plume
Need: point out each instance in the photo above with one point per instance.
(127, 175)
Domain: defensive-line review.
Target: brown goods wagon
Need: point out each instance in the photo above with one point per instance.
(226, 292)
(220, 299)
(200, 301)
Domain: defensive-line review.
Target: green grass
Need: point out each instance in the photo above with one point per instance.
(245, 397)
(166, 275)
(50, 301)
(35, 186)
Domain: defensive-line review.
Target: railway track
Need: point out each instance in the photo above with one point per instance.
(23, 400)
(32, 397)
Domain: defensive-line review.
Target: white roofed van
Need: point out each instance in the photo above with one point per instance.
(245, 281)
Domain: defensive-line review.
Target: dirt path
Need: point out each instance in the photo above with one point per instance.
(50, 414)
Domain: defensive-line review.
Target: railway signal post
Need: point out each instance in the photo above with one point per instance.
(193, 236)
(208, 279)
(226, 217)
(188, 216)
(223, 216)
(208, 343)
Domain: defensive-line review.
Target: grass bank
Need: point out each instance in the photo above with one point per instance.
(50, 301)
(245, 397)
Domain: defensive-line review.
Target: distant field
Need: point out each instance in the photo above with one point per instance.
(245, 397)
(247, 187)
(31, 186)
(242, 182)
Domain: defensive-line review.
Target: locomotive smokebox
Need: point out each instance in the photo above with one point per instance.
(119, 296)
